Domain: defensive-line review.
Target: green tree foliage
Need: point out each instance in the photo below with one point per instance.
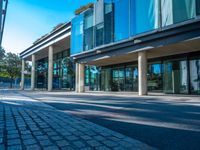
(2, 54)
(12, 65)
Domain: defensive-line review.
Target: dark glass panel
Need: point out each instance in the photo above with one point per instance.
(195, 76)
(175, 11)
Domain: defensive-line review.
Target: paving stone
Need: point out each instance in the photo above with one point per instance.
(56, 138)
(102, 148)
(62, 143)
(45, 143)
(93, 143)
(15, 147)
(79, 144)
(42, 137)
(50, 148)
(14, 142)
(29, 141)
(33, 147)
(86, 137)
(13, 136)
(110, 143)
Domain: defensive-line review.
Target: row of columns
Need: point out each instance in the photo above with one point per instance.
(50, 71)
(80, 73)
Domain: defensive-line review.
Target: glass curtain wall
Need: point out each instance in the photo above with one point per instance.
(106, 79)
(131, 78)
(92, 77)
(63, 72)
(77, 35)
(88, 29)
(154, 77)
(42, 73)
(175, 11)
(198, 7)
(195, 76)
(122, 21)
(108, 21)
(144, 16)
(176, 76)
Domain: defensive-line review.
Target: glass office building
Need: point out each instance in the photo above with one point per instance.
(114, 21)
(63, 72)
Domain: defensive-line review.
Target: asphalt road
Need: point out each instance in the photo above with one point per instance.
(168, 123)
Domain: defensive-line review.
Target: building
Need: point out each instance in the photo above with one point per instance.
(122, 45)
(3, 10)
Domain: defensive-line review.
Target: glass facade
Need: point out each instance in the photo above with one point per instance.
(198, 7)
(92, 78)
(116, 20)
(63, 71)
(154, 77)
(144, 16)
(42, 73)
(88, 30)
(194, 65)
(175, 11)
(77, 35)
(176, 76)
(121, 20)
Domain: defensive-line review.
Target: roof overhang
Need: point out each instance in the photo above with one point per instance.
(58, 35)
(189, 30)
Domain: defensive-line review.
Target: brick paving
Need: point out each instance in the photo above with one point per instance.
(31, 126)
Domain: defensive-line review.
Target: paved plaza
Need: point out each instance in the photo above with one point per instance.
(167, 122)
(26, 123)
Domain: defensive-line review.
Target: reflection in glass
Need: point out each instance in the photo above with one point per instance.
(175, 76)
(195, 76)
(198, 7)
(121, 15)
(175, 11)
(144, 16)
(41, 73)
(106, 79)
(88, 30)
(155, 77)
(77, 35)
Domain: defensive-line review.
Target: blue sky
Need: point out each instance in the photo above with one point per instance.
(27, 20)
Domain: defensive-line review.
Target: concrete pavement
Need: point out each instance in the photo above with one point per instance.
(169, 122)
(26, 123)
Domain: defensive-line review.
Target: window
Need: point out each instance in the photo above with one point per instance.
(198, 7)
(195, 76)
(121, 16)
(108, 22)
(175, 11)
(88, 30)
(99, 34)
(144, 16)
(77, 35)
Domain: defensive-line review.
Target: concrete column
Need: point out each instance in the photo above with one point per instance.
(80, 78)
(50, 69)
(77, 78)
(142, 72)
(22, 75)
(33, 73)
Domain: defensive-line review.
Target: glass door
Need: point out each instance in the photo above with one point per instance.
(195, 76)
(118, 79)
(175, 76)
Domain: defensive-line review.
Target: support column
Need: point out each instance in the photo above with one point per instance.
(50, 69)
(22, 75)
(142, 72)
(77, 78)
(33, 73)
(80, 78)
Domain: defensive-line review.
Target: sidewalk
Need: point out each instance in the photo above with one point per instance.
(29, 124)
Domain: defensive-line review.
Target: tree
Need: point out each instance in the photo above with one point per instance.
(12, 65)
(2, 54)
